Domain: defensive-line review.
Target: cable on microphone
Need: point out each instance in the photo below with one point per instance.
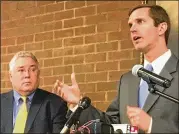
(83, 104)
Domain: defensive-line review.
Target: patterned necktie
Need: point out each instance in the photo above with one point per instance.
(21, 117)
(143, 89)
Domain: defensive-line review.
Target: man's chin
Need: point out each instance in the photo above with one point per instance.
(27, 90)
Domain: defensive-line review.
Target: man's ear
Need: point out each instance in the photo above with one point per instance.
(162, 28)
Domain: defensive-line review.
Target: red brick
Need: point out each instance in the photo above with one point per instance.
(125, 25)
(102, 105)
(105, 66)
(34, 11)
(44, 18)
(5, 75)
(9, 24)
(95, 38)
(6, 58)
(136, 54)
(80, 78)
(84, 49)
(43, 54)
(64, 33)
(111, 6)
(8, 41)
(85, 11)
(73, 41)
(95, 57)
(54, 7)
(25, 39)
(3, 85)
(21, 5)
(63, 51)
(126, 44)
(110, 46)
(128, 64)
(44, 36)
(119, 55)
(58, 25)
(118, 15)
(15, 14)
(115, 75)
(74, 59)
(99, 96)
(33, 46)
(111, 95)
(41, 63)
(96, 77)
(62, 70)
(73, 22)
(129, 4)
(84, 68)
(74, 4)
(3, 50)
(15, 49)
(85, 30)
(87, 87)
(53, 62)
(44, 3)
(47, 88)
(4, 16)
(49, 80)
(106, 86)
(4, 66)
(52, 44)
(118, 35)
(95, 19)
(105, 27)
(64, 15)
(46, 72)
(95, 2)
(8, 5)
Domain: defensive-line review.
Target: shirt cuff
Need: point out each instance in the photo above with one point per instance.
(150, 126)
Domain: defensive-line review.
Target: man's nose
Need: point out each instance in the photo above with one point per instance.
(133, 28)
(27, 73)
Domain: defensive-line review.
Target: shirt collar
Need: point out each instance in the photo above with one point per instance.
(17, 96)
(160, 62)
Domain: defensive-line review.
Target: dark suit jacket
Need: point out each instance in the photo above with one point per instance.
(46, 114)
(165, 113)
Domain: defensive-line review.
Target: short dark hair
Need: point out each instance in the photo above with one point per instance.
(158, 14)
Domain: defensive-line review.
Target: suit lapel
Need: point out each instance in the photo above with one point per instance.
(8, 108)
(35, 106)
(166, 73)
(133, 89)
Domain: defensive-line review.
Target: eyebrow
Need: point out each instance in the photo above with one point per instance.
(30, 66)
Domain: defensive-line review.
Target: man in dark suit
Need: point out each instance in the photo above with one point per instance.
(44, 112)
(149, 29)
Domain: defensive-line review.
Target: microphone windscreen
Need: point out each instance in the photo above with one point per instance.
(135, 69)
(118, 131)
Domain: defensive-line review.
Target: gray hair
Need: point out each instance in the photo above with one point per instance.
(21, 54)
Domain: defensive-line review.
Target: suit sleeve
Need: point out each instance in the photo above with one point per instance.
(59, 115)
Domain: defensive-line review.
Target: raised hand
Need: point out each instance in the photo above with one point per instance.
(71, 94)
(138, 118)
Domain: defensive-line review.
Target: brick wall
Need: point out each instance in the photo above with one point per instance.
(90, 38)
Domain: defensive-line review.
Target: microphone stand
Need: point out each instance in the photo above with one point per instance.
(152, 89)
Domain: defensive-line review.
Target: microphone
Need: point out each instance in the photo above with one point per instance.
(83, 104)
(118, 131)
(148, 76)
